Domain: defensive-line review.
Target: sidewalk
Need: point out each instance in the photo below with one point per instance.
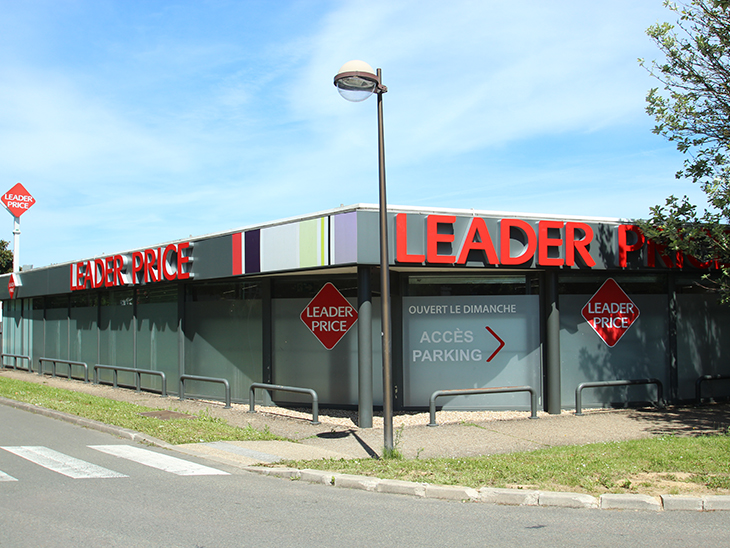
(466, 438)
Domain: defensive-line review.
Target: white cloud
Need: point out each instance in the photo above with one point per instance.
(464, 74)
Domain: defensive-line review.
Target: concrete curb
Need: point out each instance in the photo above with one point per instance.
(400, 487)
(628, 501)
(513, 497)
(567, 500)
(495, 495)
(682, 502)
(351, 481)
(716, 502)
(451, 492)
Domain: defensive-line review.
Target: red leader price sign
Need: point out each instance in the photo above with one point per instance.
(610, 312)
(11, 286)
(329, 316)
(18, 200)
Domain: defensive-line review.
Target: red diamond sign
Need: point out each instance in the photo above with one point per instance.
(18, 200)
(12, 286)
(329, 316)
(610, 312)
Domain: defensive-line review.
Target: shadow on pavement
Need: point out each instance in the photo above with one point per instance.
(338, 434)
(686, 421)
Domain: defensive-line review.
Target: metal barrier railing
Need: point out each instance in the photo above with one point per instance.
(310, 391)
(138, 375)
(467, 391)
(70, 363)
(17, 357)
(703, 378)
(224, 382)
(601, 384)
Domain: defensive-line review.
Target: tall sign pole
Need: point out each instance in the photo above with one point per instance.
(16, 244)
(17, 200)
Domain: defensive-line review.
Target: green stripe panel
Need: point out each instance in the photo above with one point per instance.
(323, 240)
(311, 242)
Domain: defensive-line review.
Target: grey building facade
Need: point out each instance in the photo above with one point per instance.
(480, 299)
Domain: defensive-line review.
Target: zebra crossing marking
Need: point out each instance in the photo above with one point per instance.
(6, 477)
(63, 464)
(160, 461)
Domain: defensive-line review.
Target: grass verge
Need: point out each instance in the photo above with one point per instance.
(199, 428)
(665, 465)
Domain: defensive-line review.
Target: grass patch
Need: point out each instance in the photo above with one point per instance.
(617, 467)
(201, 428)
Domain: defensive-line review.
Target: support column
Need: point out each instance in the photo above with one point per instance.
(134, 327)
(673, 348)
(364, 348)
(181, 327)
(267, 315)
(552, 343)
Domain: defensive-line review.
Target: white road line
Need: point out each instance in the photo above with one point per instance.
(6, 477)
(162, 462)
(63, 464)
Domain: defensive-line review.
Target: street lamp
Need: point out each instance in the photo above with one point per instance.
(356, 81)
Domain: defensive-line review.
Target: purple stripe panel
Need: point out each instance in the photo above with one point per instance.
(346, 238)
(252, 246)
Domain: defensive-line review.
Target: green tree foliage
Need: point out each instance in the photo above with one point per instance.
(6, 258)
(692, 109)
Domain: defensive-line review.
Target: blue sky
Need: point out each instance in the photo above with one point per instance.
(134, 123)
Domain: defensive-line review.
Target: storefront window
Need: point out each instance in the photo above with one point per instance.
(703, 337)
(157, 333)
(471, 332)
(224, 336)
(642, 351)
(84, 333)
(116, 335)
(300, 359)
(17, 328)
(57, 327)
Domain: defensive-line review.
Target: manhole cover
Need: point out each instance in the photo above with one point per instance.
(166, 415)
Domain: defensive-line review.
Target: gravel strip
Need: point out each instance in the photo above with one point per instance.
(349, 418)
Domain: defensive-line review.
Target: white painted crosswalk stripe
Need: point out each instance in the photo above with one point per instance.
(6, 477)
(63, 464)
(160, 461)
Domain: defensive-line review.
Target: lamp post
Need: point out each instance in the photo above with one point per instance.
(356, 81)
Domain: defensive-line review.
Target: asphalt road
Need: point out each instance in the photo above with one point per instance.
(145, 506)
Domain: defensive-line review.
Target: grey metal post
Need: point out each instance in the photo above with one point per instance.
(364, 349)
(16, 244)
(552, 343)
(385, 284)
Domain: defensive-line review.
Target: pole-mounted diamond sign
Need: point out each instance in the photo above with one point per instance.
(610, 312)
(329, 316)
(17, 200)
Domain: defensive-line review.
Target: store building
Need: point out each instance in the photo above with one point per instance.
(479, 299)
